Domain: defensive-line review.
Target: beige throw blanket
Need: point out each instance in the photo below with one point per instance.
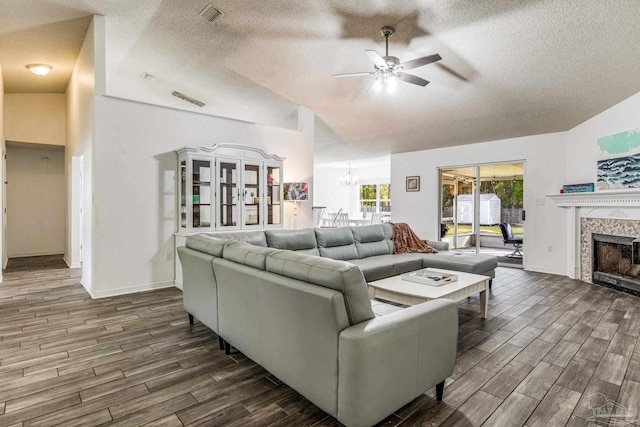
(405, 240)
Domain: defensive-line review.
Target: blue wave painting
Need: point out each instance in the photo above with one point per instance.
(620, 172)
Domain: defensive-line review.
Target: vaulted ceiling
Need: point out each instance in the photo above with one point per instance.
(510, 68)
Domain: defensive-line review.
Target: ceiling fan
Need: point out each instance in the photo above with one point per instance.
(388, 69)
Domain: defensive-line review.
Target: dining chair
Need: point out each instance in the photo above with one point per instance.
(342, 220)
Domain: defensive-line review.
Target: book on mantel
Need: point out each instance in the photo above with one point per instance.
(430, 277)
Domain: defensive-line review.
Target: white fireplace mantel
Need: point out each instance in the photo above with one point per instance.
(604, 199)
(621, 204)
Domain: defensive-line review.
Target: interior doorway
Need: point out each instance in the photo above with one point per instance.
(36, 197)
(475, 200)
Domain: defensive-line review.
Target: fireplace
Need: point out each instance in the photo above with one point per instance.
(615, 212)
(613, 263)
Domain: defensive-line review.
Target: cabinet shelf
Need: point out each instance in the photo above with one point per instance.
(227, 186)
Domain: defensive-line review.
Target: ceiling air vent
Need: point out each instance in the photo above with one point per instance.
(210, 14)
(188, 99)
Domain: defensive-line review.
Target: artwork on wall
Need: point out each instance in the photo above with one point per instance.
(296, 191)
(413, 183)
(619, 163)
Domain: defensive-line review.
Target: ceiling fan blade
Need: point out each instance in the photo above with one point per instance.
(419, 62)
(377, 59)
(410, 78)
(364, 73)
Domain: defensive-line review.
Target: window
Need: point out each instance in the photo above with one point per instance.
(375, 197)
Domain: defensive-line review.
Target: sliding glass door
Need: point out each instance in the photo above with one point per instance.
(475, 200)
(457, 225)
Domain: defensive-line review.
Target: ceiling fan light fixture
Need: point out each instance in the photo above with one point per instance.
(377, 85)
(389, 67)
(391, 84)
(39, 69)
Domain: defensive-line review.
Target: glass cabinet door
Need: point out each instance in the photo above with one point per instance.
(228, 194)
(251, 177)
(183, 194)
(201, 193)
(274, 191)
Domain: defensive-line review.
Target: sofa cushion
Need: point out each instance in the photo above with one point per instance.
(293, 240)
(439, 246)
(336, 243)
(254, 237)
(341, 276)
(404, 263)
(388, 229)
(383, 266)
(468, 263)
(247, 254)
(373, 268)
(371, 240)
(207, 244)
(382, 308)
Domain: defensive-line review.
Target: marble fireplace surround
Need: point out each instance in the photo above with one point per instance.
(613, 227)
(606, 212)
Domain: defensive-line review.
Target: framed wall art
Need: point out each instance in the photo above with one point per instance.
(619, 161)
(413, 183)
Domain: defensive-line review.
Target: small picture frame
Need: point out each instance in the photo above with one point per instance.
(413, 183)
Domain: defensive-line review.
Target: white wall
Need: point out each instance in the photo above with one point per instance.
(331, 194)
(582, 140)
(35, 117)
(3, 254)
(35, 200)
(298, 167)
(134, 184)
(128, 148)
(80, 97)
(545, 164)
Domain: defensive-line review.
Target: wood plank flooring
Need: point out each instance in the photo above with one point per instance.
(551, 351)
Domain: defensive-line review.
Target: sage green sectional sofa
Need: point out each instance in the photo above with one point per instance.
(296, 302)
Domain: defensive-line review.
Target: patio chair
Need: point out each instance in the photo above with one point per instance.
(509, 239)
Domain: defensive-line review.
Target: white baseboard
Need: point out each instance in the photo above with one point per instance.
(178, 284)
(66, 261)
(30, 254)
(127, 290)
(539, 269)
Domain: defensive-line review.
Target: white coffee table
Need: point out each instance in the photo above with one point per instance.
(411, 293)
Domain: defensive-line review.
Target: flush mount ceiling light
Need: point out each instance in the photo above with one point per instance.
(39, 69)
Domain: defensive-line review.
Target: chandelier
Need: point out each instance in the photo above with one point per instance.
(349, 180)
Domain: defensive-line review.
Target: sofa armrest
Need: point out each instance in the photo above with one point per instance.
(439, 246)
(199, 286)
(388, 361)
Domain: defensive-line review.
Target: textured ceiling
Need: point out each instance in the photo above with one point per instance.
(510, 68)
